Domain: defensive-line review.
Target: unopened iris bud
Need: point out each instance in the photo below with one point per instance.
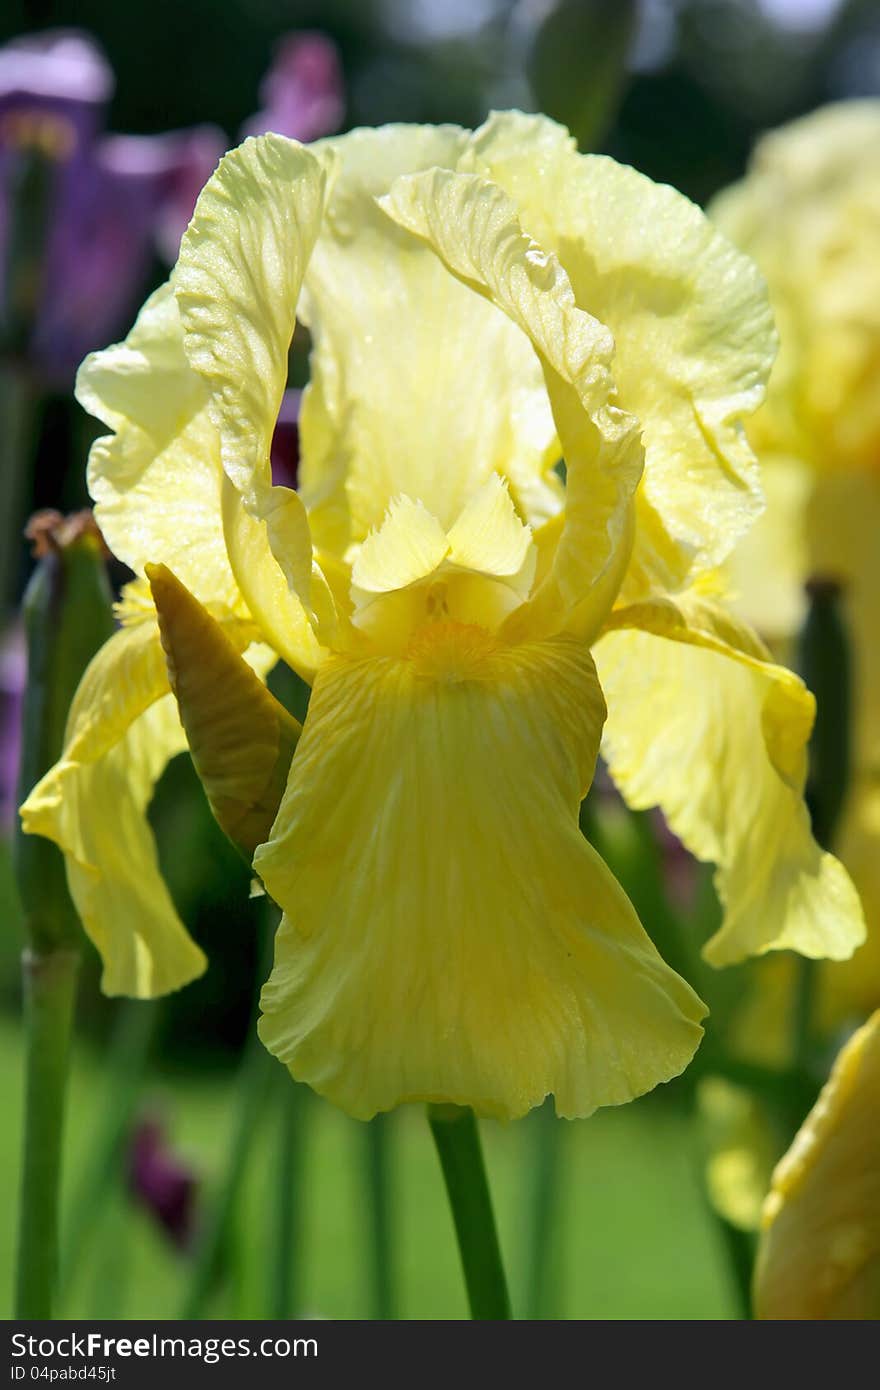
(67, 615)
(242, 740)
(819, 1256)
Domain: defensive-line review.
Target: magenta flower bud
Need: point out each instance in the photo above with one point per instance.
(162, 1182)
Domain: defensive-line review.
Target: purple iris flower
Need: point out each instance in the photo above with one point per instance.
(109, 202)
(162, 1182)
(303, 92)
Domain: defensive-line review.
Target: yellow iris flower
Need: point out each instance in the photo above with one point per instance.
(819, 1253)
(481, 305)
(809, 212)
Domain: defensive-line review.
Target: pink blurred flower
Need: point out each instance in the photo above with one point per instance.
(302, 93)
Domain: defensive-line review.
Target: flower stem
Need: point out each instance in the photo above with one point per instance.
(49, 994)
(18, 412)
(286, 1229)
(130, 1045)
(256, 1072)
(377, 1164)
(461, 1158)
(825, 664)
(255, 1075)
(541, 1292)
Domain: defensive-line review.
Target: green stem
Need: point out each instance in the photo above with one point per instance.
(378, 1147)
(129, 1052)
(286, 1229)
(802, 1012)
(461, 1158)
(49, 997)
(17, 428)
(542, 1284)
(739, 1247)
(255, 1074)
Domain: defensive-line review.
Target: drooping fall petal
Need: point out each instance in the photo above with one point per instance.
(122, 730)
(724, 755)
(448, 933)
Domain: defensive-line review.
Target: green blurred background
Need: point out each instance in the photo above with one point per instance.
(679, 88)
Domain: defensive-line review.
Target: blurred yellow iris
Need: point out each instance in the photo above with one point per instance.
(481, 306)
(809, 212)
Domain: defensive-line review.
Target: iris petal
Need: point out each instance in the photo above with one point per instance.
(449, 934)
(692, 327)
(122, 730)
(724, 755)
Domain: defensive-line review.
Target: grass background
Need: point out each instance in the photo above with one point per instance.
(635, 1240)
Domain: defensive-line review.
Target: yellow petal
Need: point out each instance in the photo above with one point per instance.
(770, 565)
(410, 569)
(283, 619)
(449, 934)
(473, 227)
(159, 489)
(418, 386)
(702, 724)
(408, 546)
(489, 538)
(819, 1256)
(93, 804)
(122, 730)
(237, 284)
(692, 329)
(156, 481)
(808, 210)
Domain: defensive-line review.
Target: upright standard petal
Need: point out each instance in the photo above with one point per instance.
(156, 481)
(692, 328)
(159, 489)
(448, 932)
(724, 755)
(473, 227)
(237, 284)
(417, 386)
(819, 1255)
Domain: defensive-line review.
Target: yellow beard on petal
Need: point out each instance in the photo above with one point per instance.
(450, 651)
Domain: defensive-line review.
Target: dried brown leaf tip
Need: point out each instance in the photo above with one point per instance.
(50, 531)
